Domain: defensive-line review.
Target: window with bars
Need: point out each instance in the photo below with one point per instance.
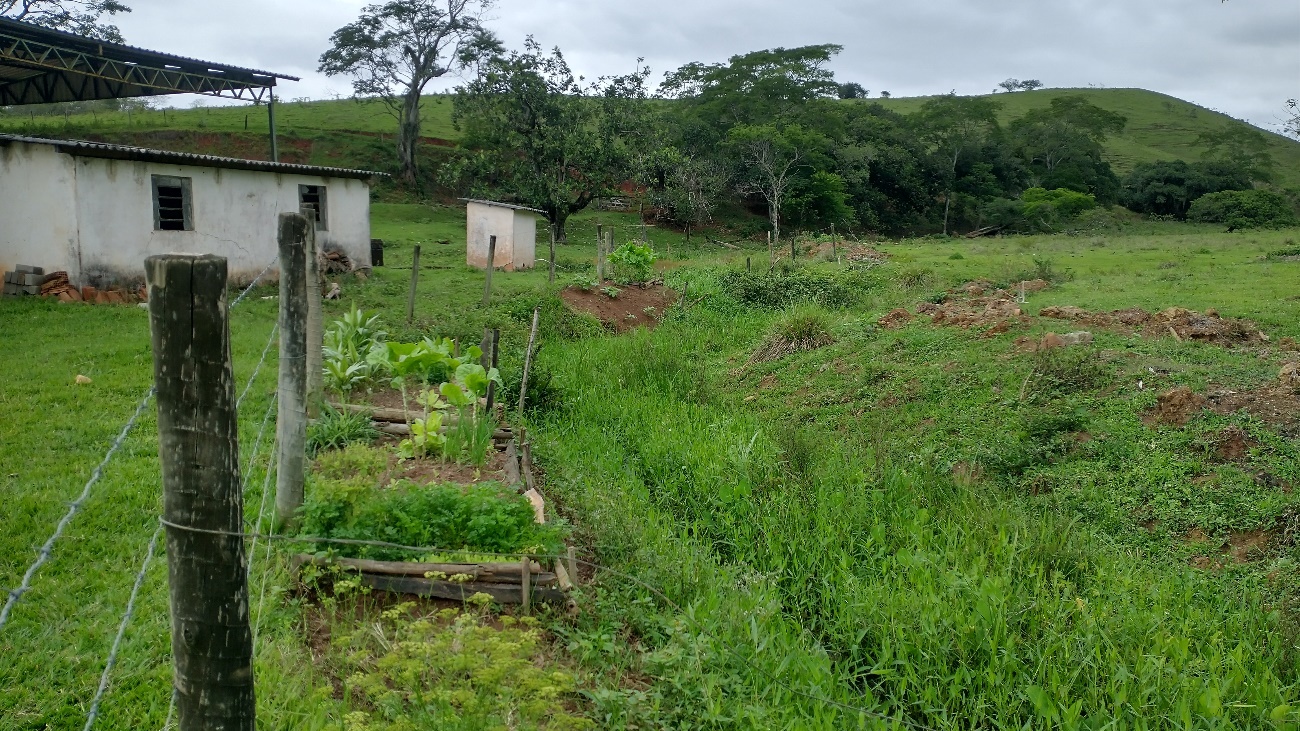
(172, 207)
(311, 201)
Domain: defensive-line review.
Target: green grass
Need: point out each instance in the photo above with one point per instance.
(884, 521)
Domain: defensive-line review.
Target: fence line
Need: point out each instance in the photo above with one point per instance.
(121, 629)
(253, 283)
(817, 698)
(269, 342)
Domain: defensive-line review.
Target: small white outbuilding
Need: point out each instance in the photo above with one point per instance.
(515, 228)
(97, 210)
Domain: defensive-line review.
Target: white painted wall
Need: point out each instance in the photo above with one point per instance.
(38, 212)
(516, 233)
(99, 227)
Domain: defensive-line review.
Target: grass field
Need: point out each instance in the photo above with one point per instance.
(905, 521)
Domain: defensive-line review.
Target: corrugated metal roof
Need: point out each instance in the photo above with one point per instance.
(503, 205)
(125, 52)
(84, 148)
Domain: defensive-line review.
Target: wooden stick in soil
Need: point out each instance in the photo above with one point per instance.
(415, 280)
(494, 342)
(291, 421)
(525, 576)
(573, 565)
(551, 276)
(528, 358)
(491, 266)
(198, 440)
(315, 325)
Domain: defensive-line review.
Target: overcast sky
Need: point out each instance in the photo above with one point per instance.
(1240, 57)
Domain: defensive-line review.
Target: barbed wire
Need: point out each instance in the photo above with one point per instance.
(48, 548)
(267, 349)
(121, 629)
(818, 698)
(253, 283)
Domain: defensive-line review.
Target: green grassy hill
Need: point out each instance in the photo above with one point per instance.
(348, 132)
(1160, 127)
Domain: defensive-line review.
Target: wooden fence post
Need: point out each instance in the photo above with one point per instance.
(315, 324)
(491, 266)
(415, 280)
(528, 358)
(494, 341)
(198, 445)
(291, 420)
(600, 248)
(835, 253)
(552, 274)
(525, 578)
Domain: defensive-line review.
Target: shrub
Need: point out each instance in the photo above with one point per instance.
(480, 517)
(806, 327)
(337, 429)
(634, 263)
(780, 289)
(1060, 204)
(1242, 209)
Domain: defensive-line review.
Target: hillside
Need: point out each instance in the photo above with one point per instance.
(347, 132)
(1160, 127)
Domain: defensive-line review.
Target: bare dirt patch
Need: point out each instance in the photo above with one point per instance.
(1232, 444)
(1177, 322)
(1277, 406)
(1175, 407)
(436, 472)
(635, 306)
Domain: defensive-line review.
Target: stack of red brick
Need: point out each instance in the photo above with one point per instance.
(30, 280)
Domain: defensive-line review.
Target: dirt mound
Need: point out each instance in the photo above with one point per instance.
(849, 252)
(1181, 323)
(895, 319)
(996, 308)
(1175, 407)
(1232, 444)
(632, 307)
(1275, 405)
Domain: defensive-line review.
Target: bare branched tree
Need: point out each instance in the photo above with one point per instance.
(394, 50)
(82, 17)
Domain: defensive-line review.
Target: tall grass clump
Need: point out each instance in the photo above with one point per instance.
(805, 327)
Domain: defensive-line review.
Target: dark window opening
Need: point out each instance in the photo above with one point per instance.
(171, 204)
(311, 201)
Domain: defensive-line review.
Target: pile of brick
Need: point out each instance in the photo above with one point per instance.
(336, 262)
(32, 280)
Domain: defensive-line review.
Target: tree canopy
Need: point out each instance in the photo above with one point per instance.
(83, 17)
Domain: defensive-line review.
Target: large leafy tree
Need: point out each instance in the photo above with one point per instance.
(686, 188)
(538, 135)
(394, 50)
(771, 162)
(1241, 147)
(1169, 187)
(83, 17)
(1061, 146)
(956, 128)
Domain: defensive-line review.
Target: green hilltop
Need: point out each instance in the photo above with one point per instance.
(349, 132)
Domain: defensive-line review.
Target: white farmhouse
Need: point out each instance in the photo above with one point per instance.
(97, 210)
(515, 228)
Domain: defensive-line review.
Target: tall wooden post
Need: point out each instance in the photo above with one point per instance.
(600, 248)
(552, 274)
(291, 421)
(270, 116)
(415, 281)
(315, 323)
(835, 252)
(198, 445)
(771, 250)
(528, 358)
(491, 266)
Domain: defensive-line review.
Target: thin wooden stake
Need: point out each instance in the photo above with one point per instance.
(600, 248)
(552, 262)
(198, 440)
(528, 358)
(415, 280)
(495, 341)
(525, 580)
(291, 422)
(573, 565)
(491, 266)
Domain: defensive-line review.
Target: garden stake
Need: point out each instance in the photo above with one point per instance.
(415, 279)
(491, 265)
(291, 424)
(528, 358)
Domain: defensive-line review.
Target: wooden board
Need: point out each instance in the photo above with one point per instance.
(433, 588)
(508, 572)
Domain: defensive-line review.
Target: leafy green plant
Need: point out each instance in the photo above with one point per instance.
(348, 343)
(469, 439)
(633, 263)
(610, 292)
(482, 517)
(585, 281)
(1244, 209)
(336, 429)
(784, 287)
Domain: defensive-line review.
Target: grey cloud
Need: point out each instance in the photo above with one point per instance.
(1238, 57)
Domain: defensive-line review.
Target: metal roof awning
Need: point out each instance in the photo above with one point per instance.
(41, 66)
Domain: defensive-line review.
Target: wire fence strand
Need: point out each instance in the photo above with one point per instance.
(48, 548)
(121, 629)
(253, 283)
